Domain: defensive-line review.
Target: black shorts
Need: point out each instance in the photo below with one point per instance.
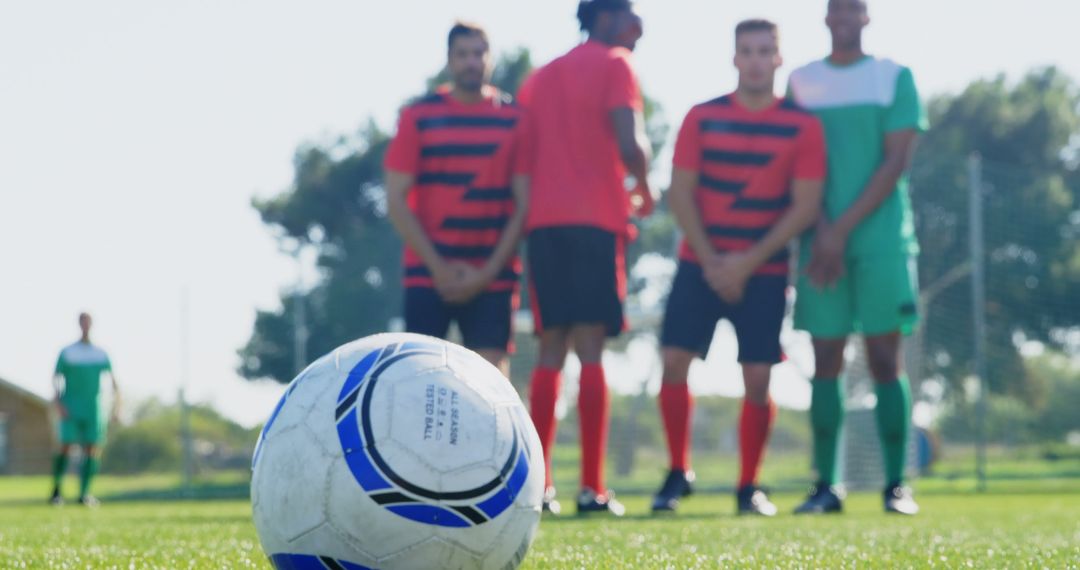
(693, 309)
(577, 276)
(484, 322)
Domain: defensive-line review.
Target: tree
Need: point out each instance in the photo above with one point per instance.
(1023, 133)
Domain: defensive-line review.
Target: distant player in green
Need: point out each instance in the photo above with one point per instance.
(83, 417)
(857, 269)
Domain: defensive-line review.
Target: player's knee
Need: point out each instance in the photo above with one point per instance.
(829, 358)
(756, 382)
(676, 365)
(884, 360)
(553, 348)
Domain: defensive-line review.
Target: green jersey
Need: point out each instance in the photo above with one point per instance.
(859, 104)
(81, 365)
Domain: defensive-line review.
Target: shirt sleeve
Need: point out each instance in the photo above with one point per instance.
(811, 161)
(907, 110)
(623, 90)
(403, 155)
(59, 365)
(688, 144)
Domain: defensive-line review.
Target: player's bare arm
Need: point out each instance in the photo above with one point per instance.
(827, 260)
(447, 276)
(687, 215)
(58, 388)
(476, 280)
(635, 153)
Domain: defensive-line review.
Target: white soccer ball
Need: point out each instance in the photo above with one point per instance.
(398, 451)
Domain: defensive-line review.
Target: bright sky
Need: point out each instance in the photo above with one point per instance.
(134, 134)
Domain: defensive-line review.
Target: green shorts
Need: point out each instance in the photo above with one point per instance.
(876, 296)
(85, 430)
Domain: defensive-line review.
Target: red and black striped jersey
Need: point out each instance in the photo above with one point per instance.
(746, 162)
(463, 159)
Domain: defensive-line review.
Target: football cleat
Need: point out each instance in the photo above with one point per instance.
(677, 485)
(823, 498)
(588, 502)
(753, 501)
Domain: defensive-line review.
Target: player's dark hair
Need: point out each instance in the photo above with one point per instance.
(756, 25)
(463, 29)
(589, 10)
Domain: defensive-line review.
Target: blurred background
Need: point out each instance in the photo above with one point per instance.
(206, 180)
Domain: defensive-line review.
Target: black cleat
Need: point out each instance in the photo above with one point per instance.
(822, 499)
(550, 504)
(89, 501)
(900, 500)
(753, 501)
(677, 485)
(56, 500)
(589, 502)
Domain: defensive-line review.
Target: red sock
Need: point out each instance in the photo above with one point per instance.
(593, 419)
(543, 394)
(754, 426)
(676, 406)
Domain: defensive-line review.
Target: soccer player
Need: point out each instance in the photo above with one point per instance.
(451, 197)
(586, 134)
(748, 174)
(857, 269)
(80, 404)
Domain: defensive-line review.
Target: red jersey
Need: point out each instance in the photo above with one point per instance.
(747, 161)
(462, 156)
(577, 174)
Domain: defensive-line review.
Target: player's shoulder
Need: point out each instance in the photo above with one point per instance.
(713, 105)
(83, 353)
(433, 99)
(790, 106)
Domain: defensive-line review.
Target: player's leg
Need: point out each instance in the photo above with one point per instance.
(486, 327)
(90, 466)
(544, 389)
(758, 321)
(60, 461)
(593, 407)
(828, 314)
(689, 322)
(886, 304)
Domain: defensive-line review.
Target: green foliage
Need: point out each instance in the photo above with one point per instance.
(1022, 133)
(153, 443)
(1052, 379)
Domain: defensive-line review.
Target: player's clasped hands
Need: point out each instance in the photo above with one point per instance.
(727, 275)
(827, 256)
(458, 282)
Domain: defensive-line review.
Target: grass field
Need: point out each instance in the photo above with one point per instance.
(1036, 529)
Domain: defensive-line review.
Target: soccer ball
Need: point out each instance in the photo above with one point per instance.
(398, 451)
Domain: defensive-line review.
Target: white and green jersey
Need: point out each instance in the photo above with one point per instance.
(859, 104)
(81, 364)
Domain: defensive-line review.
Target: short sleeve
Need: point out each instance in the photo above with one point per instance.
(525, 91)
(622, 89)
(60, 364)
(107, 367)
(811, 161)
(403, 155)
(688, 144)
(907, 110)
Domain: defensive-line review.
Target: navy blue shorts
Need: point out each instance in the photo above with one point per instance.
(693, 309)
(484, 322)
(577, 276)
